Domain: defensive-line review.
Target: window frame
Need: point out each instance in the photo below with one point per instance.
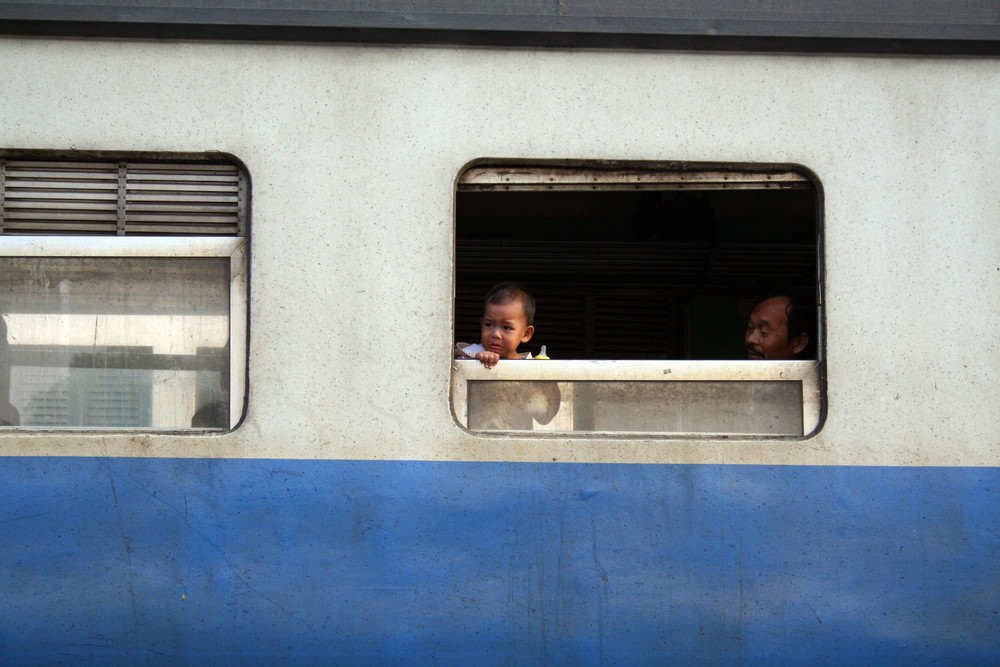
(234, 247)
(489, 173)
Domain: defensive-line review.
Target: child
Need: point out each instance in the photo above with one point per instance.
(507, 321)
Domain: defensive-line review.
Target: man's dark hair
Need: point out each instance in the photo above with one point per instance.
(509, 292)
(801, 315)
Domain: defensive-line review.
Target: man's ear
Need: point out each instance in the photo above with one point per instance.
(527, 334)
(800, 342)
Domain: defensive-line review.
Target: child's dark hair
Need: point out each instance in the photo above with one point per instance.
(508, 292)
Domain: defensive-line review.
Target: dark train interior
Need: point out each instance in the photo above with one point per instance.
(653, 273)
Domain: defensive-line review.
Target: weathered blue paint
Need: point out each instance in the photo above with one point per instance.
(295, 562)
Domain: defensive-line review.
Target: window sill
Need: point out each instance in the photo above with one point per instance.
(671, 398)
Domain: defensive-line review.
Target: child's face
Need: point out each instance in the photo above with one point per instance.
(503, 327)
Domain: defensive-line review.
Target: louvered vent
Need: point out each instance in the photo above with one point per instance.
(122, 198)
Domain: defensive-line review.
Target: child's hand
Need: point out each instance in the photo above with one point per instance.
(488, 359)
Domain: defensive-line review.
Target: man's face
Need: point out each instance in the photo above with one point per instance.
(503, 327)
(767, 332)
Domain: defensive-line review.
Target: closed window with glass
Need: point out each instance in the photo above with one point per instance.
(124, 291)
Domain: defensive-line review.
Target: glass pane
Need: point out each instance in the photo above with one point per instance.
(726, 407)
(115, 342)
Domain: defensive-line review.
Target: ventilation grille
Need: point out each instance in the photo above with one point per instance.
(122, 198)
(690, 264)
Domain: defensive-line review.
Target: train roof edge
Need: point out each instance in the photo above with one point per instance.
(857, 26)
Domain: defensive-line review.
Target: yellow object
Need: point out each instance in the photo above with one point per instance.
(541, 354)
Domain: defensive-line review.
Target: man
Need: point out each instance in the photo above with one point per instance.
(782, 326)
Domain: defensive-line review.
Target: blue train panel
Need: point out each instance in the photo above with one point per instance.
(161, 561)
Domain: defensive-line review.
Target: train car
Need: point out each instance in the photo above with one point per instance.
(239, 243)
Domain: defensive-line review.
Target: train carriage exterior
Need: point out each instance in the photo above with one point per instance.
(341, 505)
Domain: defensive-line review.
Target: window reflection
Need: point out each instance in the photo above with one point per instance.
(751, 408)
(117, 342)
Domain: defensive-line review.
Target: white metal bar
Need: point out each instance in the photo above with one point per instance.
(627, 370)
(119, 246)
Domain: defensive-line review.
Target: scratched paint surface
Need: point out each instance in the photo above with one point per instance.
(242, 561)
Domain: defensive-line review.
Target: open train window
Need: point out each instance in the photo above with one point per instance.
(644, 276)
(124, 302)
